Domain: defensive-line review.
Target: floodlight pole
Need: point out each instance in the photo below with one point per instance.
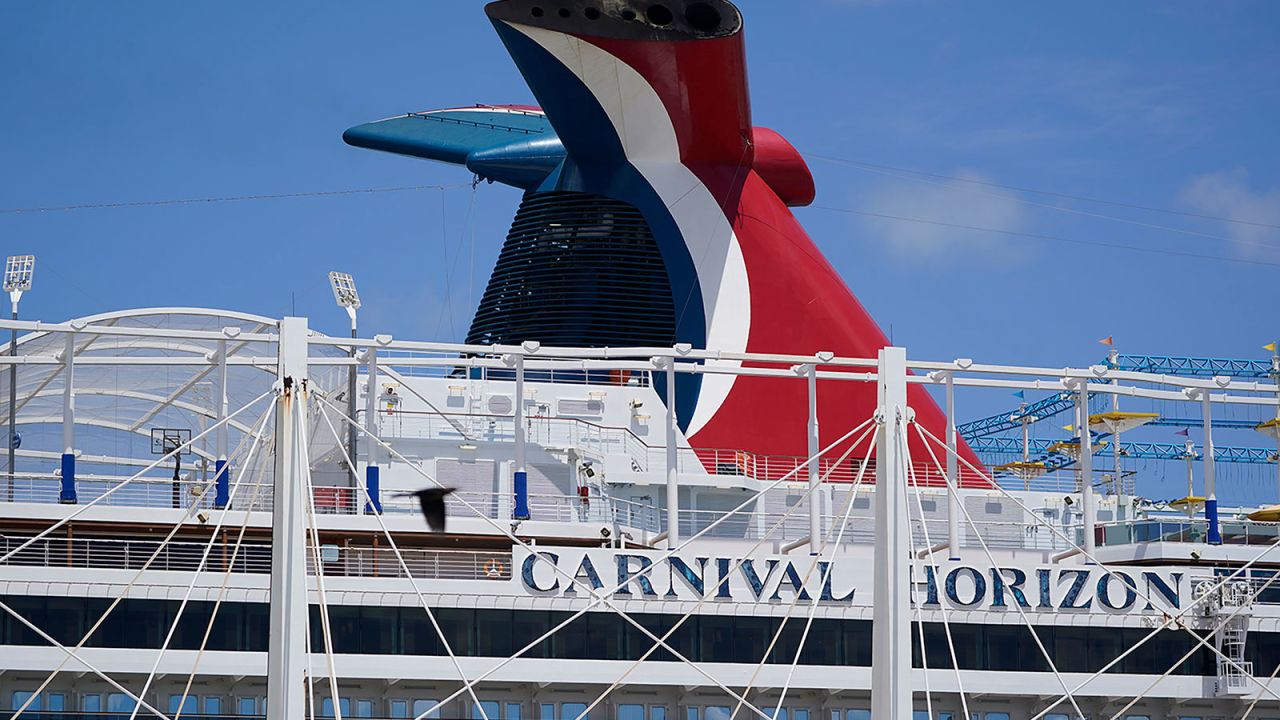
(14, 297)
(352, 431)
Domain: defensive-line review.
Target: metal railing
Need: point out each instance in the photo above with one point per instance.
(1234, 532)
(252, 558)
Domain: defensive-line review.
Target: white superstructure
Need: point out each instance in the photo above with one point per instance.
(559, 616)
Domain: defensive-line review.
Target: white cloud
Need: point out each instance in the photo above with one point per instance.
(948, 204)
(1228, 195)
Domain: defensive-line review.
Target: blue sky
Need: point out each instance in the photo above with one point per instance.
(1170, 105)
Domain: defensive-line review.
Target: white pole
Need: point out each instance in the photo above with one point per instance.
(1026, 437)
(953, 470)
(521, 479)
(352, 433)
(287, 650)
(673, 470)
(13, 392)
(222, 475)
(815, 500)
(1191, 488)
(372, 478)
(1026, 450)
(68, 492)
(891, 630)
(1210, 474)
(1087, 501)
(1275, 375)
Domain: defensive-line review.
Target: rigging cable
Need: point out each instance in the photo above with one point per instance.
(1050, 193)
(1041, 236)
(227, 198)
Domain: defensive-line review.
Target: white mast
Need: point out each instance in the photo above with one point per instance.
(891, 630)
(287, 648)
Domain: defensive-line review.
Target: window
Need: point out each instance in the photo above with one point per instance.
(547, 711)
(364, 708)
(571, 711)
(212, 705)
(21, 697)
(858, 714)
(91, 703)
(55, 701)
(630, 712)
(691, 713)
(919, 715)
(491, 711)
(399, 708)
(998, 716)
(716, 712)
(187, 704)
(119, 702)
(326, 707)
(421, 706)
(246, 706)
(657, 712)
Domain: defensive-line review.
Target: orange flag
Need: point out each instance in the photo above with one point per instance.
(1108, 340)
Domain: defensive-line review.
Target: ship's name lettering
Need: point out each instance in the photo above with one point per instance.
(636, 576)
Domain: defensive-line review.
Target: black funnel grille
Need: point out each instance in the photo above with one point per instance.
(577, 269)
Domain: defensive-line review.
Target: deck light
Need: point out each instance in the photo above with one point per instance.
(19, 270)
(344, 293)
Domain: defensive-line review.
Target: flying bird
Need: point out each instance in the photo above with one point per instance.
(432, 500)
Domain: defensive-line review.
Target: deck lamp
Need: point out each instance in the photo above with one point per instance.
(18, 273)
(344, 293)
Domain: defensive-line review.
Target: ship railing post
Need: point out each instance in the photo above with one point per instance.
(1214, 533)
(815, 499)
(287, 659)
(67, 493)
(221, 472)
(372, 478)
(1275, 376)
(520, 479)
(668, 365)
(1088, 503)
(891, 630)
(953, 472)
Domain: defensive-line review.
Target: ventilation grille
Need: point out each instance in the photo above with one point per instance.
(573, 406)
(577, 270)
(500, 405)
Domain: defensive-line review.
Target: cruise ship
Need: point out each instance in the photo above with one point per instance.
(675, 471)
